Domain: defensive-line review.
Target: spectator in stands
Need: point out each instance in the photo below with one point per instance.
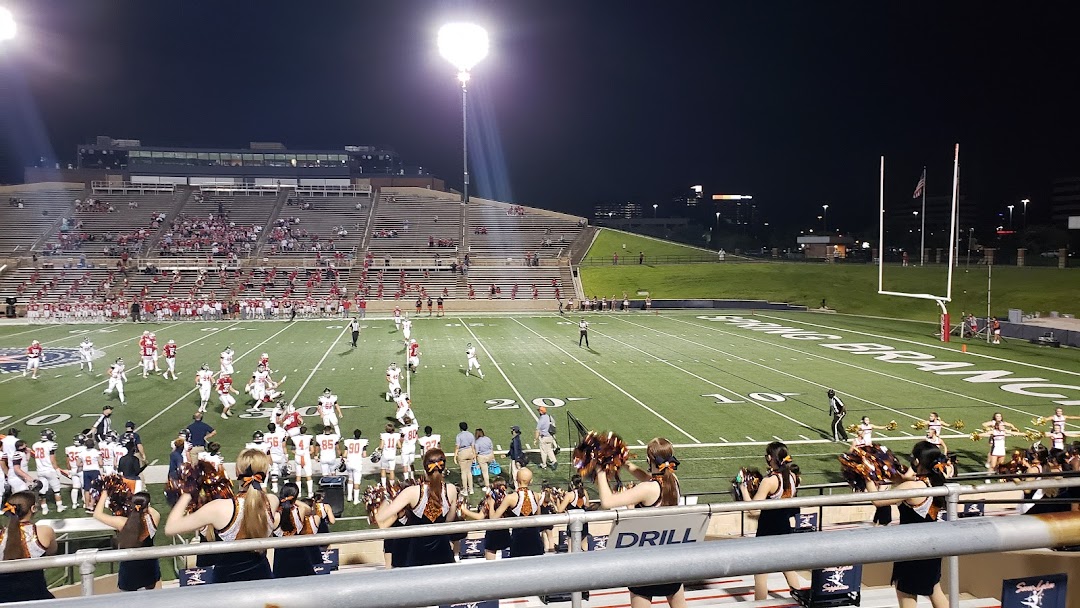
(20, 538)
(657, 487)
(137, 529)
(248, 515)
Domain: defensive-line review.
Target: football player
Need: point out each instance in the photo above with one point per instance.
(74, 470)
(170, 359)
(225, 392)
(204, 379)
(409, 436)
(302, 454)
(393, 380)
(470, 354)
(328, 450)
(276, 437)
(388, 444)
(86, 355)
(330, 410)
(33, 359)
(227, 361)
(355, 453)
(117, 378)
(414, 356)
(404, 406)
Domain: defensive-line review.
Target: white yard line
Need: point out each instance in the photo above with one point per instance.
(92, 386)
(923, 344)
(18, 375)
(188, 394)
(710, 382)
(865, 369)
(524, 402)
(615, 386)
(783, 373)
(317, 366)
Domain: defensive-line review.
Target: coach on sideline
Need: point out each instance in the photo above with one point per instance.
(200, 432)
(545, 439)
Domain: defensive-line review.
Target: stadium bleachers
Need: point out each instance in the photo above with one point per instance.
(325, 224)
(232, 223)
(111, 224)
(546, 279)
(415, 227)
(39, 211)
(510, 231)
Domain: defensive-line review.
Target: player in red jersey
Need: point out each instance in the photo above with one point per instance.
(170, 359)
(33, 359)
(146, 351)
(414, 356)
(225, 394)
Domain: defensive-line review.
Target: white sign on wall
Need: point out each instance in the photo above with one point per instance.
(658, 531)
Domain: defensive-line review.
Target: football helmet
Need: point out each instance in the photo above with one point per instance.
(79, 439)
(257, 436)
(48, 434)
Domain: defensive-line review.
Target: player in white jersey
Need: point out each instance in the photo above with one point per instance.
(404, 406)
(393, 380)
(213, 455)
(277, 438)
(409, 436)
(389, 441)
(355, 453)
(258, 442)
(259, 385)
(154, 350)
(470, 354)
(105, 452)
(117, 452)
(74, 457)
(406, 329)
(330, 410)
(117, 378)
(428, 441)
(86, 355)
(227, 361)
(204, 380)
(48, 472)
(328, 450)
(302, 455)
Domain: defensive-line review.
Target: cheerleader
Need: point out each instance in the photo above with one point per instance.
(1056, 463)
(577, 497)
(997, 434)
(657, 487)
(426, 503)
(251, 514)
(295, 519)
(1058, 436)
(921, 577)
(322, 513)
(522, 503)
(494, 540)
(137, 529)
(782, 481)
(396, 550)
(20, 539)
(933, 435)
(995, 419)
(865, 437)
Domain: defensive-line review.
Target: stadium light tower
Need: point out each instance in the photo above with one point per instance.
(463, 45)
(7, 25)
(825, 221)
(1010, 216)
(1025, 201)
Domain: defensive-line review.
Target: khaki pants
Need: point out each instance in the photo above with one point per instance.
(485, 460)
(465, 459)
(193, 453)
(547, 450)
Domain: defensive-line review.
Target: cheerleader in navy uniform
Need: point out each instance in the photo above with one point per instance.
(920, 577)
(138, 529)
(657, 487)
(396, 550)
(251, 514)
(782, 481)
(296, 519)
(522, 503)
(577, 498)
(20, 538)
(430, 502)
(494, 540)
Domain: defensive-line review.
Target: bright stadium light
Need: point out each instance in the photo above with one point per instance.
(463, 45)
(7, 24)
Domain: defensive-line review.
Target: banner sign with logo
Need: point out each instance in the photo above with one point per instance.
(660, 530)
(472, 548)
(1035, 592)
(191, 577)
(483, 604)
(836, 583)
(806, 522)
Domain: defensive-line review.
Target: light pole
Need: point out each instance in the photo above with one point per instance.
(654, 210)
(463, 45)
(7, 24)
(1010, 216)
(717, 220)
(825, 219)
(1025, 202)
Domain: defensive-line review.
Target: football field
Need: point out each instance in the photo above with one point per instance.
(720, 385)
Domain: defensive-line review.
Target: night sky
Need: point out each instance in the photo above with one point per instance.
(579, 102)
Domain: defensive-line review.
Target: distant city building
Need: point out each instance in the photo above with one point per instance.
(617, 210)
(735, 210)
(1064, 201)
(903, 217)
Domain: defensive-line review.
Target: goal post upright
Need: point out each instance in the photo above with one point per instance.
(939, 299)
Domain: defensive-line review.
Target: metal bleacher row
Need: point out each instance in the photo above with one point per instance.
(194, 230)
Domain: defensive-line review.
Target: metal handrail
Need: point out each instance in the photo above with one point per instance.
(90, 558)
(449, 583)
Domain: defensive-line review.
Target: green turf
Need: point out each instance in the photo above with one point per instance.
(646, 375)
(849, 288)
(629, 245)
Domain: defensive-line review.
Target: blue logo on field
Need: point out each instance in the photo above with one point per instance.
(14, 359)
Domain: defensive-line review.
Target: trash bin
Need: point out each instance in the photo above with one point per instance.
(333, 487)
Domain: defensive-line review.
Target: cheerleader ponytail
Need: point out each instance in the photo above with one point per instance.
(252, 466)
(661, 456)
(287, 506)
(134, 531)
(932, 465)
(17, 506)
(780, 460)
(435, 469)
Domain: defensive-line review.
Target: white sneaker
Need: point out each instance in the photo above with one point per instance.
(44, 509)
(60, 508)
(225, 417)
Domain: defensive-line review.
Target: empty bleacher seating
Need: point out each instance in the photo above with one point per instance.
(29, 214)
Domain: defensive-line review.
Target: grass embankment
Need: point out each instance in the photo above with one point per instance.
(629, 245)
(847, 288)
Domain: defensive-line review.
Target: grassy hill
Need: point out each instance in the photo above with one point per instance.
(848, 288)
(629, 245)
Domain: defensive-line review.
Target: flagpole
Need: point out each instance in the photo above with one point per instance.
(922, 229)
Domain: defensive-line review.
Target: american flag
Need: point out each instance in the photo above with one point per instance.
(920, 186)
